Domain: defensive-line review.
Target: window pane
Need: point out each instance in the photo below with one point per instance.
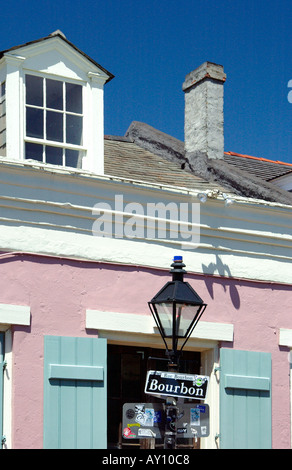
(34, 123)
(73, 158)
(34, 151)
(54, 155)
(54, 126)
(34, 90)
(73, 129)
(73, 98)
(54, 94)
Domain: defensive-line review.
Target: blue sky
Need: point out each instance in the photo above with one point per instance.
(150, 46)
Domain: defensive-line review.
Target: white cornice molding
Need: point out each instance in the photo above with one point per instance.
(52, 209)
(13, 59)
(250, 204)
(73, 243)
(97, 78)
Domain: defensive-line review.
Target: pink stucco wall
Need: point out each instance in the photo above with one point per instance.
(59, 292)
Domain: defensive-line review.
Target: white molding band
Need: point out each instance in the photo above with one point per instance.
(145, 324)
(14, 314)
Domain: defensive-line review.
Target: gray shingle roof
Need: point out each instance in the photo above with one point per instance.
(149, 155)
(236, 177)
(260, 167)
(126, 159)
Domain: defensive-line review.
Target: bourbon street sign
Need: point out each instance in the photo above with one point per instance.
(176, 384)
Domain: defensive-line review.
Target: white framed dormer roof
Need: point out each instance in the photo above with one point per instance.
(51, 104)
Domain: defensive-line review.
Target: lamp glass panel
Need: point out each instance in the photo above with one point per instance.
(185, 314)
(164, 311)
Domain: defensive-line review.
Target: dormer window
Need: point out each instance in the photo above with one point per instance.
(54, 121)
(51, 106)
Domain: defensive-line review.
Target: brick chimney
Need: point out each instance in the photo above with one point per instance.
(204, 133)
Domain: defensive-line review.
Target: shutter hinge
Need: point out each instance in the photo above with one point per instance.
(217, 369)
(217, 436)
(4, 365)
(3, 440)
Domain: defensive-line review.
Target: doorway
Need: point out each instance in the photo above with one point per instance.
(127, 370)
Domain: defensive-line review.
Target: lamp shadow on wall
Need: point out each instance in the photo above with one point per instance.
(222, 271)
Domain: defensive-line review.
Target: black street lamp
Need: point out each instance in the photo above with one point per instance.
(176, 309)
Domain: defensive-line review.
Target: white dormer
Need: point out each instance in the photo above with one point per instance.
(51, 104)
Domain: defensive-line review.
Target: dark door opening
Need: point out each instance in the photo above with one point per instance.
(127, 370)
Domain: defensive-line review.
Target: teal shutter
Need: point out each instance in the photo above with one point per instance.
(1, 386)
(75, 393)
(245, 400)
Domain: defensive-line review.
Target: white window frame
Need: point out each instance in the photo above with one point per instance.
(10, 315)
(45, 142)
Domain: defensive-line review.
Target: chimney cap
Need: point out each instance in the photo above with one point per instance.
(206, 70)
